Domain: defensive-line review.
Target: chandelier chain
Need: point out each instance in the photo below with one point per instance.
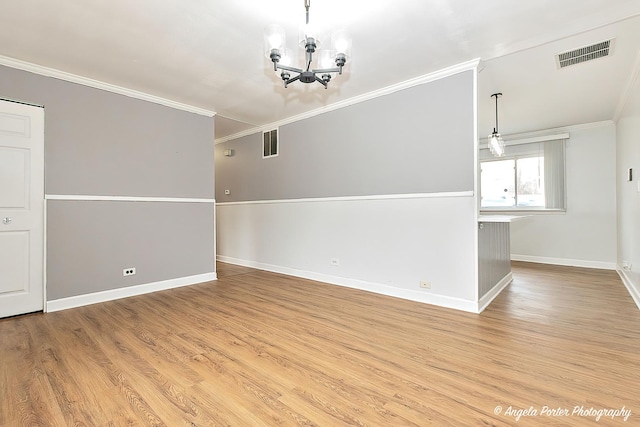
(307, 5)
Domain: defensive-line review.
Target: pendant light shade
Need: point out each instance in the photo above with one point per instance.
(495, 142)
(274, 39)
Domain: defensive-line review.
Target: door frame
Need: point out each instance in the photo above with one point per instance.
(44, 200)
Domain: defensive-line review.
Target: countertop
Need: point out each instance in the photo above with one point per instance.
(500, 218)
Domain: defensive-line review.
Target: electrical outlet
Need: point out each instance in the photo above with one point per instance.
(129, 271)
(425, 285)
(335, 261)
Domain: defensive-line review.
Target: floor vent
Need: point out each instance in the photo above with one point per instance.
(584, 54)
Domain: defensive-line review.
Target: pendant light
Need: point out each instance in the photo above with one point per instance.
(495, 142)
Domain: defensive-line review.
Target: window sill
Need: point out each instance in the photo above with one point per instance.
(523, 211)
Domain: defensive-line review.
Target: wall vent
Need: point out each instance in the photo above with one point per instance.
(270, 143)
(584, 54)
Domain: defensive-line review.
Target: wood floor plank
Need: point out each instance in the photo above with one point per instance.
(261, 349)
(27, 394)
(80, 374)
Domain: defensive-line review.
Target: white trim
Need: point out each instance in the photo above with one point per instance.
(17, 101)
(628, 283)
(494, 292)
(215, 236)
(129, 291)
(418, 296)
(353, 198)
(44, 256)
(565, 261)
(545, 133)
(476, 187)
(126, 198)
(587, 126)
(628, 89)
(440, 74)
(530, 140)
(543, 38)
(522, 212)
(85, 81)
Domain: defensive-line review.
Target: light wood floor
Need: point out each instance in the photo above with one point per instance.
(262, 349)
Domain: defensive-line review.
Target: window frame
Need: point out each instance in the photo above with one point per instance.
(515, 157)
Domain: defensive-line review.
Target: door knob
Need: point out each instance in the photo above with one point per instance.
(6, 220)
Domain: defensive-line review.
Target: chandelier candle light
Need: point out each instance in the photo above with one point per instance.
(331, 61)
(495, 142)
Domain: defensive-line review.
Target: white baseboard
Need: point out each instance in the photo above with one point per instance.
(494, 292)
(113, 294)
(424, 297)
(631, 287)
(565, 261)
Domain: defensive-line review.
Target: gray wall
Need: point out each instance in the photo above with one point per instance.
(494, 255)
(90, 242)
(401, 143)
(97, 142)
(101, 143)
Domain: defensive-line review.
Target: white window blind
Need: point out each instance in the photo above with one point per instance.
(554, 178)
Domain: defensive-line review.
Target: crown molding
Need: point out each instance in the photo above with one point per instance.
(628, 89)
(85, 81)
(427, 78)
(552, 133)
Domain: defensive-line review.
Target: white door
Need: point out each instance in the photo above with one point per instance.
(21, 208)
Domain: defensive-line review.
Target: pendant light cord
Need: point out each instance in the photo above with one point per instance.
(496, 95)
(307, 5)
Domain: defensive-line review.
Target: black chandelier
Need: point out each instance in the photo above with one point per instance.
(331, 60)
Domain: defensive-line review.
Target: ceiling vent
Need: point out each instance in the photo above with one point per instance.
(584, 54)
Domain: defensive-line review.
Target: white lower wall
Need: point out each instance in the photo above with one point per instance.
(586, 234)
(385, 245)
(628, 150)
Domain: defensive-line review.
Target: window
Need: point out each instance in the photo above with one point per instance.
(270, 143)
(529, 177)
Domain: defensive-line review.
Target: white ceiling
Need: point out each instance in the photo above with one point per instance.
(209, 53)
